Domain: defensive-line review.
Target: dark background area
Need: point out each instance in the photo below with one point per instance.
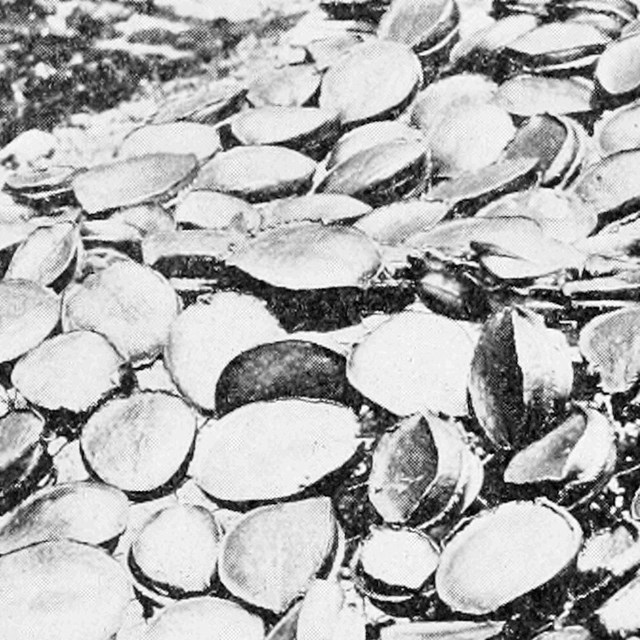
(83, 63)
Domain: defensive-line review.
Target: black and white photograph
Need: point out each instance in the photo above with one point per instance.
(319, 319)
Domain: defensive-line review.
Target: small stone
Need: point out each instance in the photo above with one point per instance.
(44, 71)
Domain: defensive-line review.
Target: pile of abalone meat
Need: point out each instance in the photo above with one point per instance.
(346, 350)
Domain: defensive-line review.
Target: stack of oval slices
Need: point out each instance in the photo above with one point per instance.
(346, 351)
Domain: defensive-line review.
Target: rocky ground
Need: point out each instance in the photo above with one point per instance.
(88, 71)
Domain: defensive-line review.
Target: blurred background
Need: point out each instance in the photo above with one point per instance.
(64, 61)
